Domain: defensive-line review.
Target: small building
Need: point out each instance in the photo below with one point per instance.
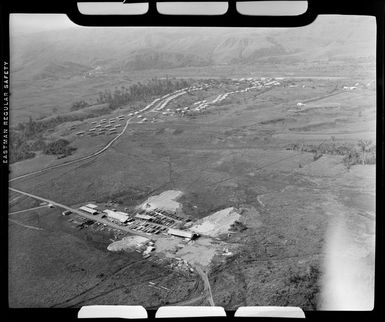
(182, 233)
(66, 212)
(88, 210)
(80, 133)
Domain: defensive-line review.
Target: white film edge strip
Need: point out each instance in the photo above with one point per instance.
(139, 312)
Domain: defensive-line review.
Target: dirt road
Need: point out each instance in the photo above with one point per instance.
(25, 210)
(85, 215)
(206, 282)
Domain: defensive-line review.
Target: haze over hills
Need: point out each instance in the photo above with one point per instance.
(73, 51)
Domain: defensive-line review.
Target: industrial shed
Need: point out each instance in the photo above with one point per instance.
(88, 210)
(116, 215)
(182, 233)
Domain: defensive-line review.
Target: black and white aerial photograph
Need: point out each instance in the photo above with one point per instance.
(192, 166)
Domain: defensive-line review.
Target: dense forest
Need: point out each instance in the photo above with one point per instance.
(28, 137)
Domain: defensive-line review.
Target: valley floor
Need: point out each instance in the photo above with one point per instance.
(233, 154)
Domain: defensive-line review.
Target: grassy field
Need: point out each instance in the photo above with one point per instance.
(231, 155)
(55, 264)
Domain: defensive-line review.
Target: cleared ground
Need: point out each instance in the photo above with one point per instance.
(61, 265)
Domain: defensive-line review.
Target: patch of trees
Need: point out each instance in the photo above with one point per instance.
(33, 129)
(325, 148)
(59, 147)
(19, 149)
(79, 105)
(363, 152)
(27, 137)
(136, 92)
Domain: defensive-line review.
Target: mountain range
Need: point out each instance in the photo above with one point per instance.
(78, 50)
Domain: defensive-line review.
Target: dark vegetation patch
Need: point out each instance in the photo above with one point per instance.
(315, 126)
(27, 137)
(79, 105)
(363, 152)
(178, 131)
(300, 288)
(237, 226)
(273, 121)
(59, 147)
(125, 95)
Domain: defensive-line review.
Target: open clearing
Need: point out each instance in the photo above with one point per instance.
(217, 223)
(127, 243)
(166, 200)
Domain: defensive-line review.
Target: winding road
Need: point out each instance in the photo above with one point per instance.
(166, 99)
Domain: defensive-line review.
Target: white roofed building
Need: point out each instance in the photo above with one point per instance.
(88, 210)
(182, 233)
(116, 215)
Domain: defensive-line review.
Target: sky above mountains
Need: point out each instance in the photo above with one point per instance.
(39, 43)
